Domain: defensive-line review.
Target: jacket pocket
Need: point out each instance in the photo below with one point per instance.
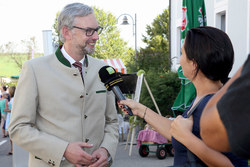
(101, 91)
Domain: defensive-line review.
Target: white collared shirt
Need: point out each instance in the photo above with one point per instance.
(70, 59)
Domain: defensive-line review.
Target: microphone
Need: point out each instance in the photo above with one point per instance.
(111, 81)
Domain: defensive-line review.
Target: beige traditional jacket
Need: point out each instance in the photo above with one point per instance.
(52, 107)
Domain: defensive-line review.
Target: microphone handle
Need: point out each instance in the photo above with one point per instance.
(120, 96)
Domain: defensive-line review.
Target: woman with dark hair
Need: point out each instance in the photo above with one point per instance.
(207, 58)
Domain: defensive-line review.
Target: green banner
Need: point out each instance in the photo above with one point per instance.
(194, 15)
(186, 94)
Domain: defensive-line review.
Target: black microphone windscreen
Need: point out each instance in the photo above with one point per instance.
(109, 77)
(106, 73)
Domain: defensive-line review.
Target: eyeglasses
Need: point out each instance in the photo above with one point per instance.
(91, 31)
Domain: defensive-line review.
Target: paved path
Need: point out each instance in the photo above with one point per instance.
(123, 159)
(5, 159)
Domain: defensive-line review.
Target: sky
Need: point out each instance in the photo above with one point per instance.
(23, 19)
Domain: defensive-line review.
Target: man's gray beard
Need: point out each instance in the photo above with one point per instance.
(85, 51)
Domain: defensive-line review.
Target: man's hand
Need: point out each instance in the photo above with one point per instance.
(101, 154)
(75, 154)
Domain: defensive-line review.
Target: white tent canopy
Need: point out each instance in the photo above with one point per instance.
(117, 64)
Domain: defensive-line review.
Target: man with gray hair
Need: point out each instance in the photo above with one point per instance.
(62, 114)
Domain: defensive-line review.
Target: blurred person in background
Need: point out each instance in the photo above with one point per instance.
(3, 104)
(11, 91)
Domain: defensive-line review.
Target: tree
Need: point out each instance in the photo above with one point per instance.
(110, 45)
(154, 60)
(9, 49)
(55, 33)
(165, 87)
(155, 56)
(1, 48)
(31, 46)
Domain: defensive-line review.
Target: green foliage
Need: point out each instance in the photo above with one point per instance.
(138, 121)
(154, 60)
(155, 57)
(55, 33)
(110, 45)
(11, 84)
(140, 72)
(164, 87)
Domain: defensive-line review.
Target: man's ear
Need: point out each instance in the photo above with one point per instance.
(66, 32)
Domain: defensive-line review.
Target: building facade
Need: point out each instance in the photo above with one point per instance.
(231, 16)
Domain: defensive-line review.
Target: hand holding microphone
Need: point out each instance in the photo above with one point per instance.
(111, 81)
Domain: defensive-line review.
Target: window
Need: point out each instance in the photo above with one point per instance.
(221, 21)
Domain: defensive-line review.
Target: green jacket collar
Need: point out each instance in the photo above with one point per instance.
(64, 61)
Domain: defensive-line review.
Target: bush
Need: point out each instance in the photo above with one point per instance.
(164, 87)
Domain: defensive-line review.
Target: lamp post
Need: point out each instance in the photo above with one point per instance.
(125, 22)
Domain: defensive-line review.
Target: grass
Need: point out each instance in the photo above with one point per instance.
(8, 67)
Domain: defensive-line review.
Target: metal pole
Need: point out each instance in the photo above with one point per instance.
(151, 95)
(169, 28)
(134, 28)
(135, 40)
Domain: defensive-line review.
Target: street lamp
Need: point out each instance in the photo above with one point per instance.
(125, 22)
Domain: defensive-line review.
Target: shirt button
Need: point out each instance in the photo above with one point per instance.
(81, 96)
(86, 140)
(74, 74)
(85, 116)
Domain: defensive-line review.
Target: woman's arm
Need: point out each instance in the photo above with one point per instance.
(6, 106)
(6, 110)
(159, 123)
(181, 129)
